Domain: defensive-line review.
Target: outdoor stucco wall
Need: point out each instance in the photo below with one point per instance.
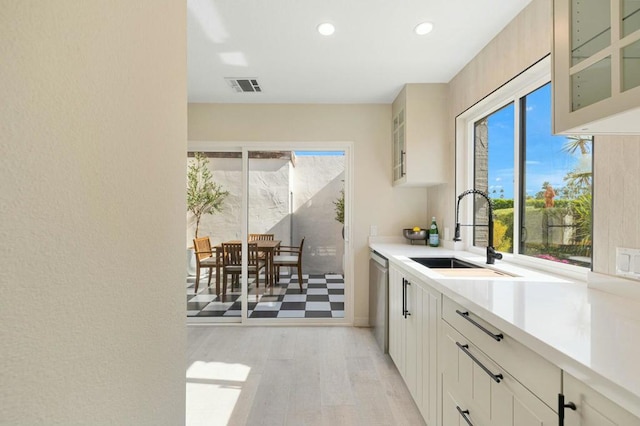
(317, 184)
(269, 202)
(92, 143)
(313, 183)
(375, 201)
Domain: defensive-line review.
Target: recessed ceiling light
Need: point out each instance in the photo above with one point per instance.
(424, 28)
(326, 29)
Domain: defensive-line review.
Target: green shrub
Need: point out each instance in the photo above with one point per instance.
(502, 203)
(539, 204)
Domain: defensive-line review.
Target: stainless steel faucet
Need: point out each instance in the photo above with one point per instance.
(492, 254)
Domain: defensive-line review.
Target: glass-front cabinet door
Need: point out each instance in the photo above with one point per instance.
(399, 150)
(596, 51)
(630, 27)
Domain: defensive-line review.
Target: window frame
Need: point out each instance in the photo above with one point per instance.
(514, 90)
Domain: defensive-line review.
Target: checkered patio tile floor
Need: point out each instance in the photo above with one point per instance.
(322, 296)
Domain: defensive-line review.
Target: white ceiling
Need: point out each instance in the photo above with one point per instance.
(368, 59)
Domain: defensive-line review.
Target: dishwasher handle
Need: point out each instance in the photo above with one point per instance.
(379, 259)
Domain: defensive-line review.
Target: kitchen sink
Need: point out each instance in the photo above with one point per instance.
(452, 267)
(443, 262)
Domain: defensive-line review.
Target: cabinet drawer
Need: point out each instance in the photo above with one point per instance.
(454, 411)
(529, 368)
(493, 397)
(592, 408)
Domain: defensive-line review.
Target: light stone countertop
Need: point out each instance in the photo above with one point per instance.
(592, 335)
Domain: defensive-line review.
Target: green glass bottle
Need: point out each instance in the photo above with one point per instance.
(434, 238)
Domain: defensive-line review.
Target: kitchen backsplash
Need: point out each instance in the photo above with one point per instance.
(616, 218)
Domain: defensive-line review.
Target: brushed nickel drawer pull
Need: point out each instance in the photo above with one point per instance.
(465, 315)
(465, 349)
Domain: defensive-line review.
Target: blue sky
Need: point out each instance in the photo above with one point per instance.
(501, 152)
(545, 160)
(319, 153)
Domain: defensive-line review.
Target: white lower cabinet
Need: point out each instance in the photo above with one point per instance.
(591, 408)
(535, 373)
(463, 371)
(455, 413)
(414, 315)
(486, 393)
(428, 329)
(397, 323)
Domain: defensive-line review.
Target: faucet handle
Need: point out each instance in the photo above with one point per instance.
(492, 255)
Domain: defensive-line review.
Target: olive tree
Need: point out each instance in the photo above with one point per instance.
(204, 196)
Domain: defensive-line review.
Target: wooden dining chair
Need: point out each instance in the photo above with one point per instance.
(261, 237)
(232, 263)
(205, 258)
(255, 237)
(288, 256)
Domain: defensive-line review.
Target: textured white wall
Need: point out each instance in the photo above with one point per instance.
(376, 202)
(269, 202)
(92, 143)
(616, 198)
(317, 184)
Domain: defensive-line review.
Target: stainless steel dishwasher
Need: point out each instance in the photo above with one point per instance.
(379, 298)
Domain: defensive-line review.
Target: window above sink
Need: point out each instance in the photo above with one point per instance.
(540, 185)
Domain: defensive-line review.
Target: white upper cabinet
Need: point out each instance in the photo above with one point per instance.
(596, 66)
(419, 137)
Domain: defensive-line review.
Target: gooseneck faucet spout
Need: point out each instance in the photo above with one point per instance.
(492, 254)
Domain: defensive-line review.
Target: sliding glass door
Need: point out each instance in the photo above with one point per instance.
(277, 235)
(296, 215)
(215, 185)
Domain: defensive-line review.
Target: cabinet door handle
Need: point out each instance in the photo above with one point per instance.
(402, 172)
(404, 293)
(464, 414)
(405, 302)
(465, 349)
(465, 315)
(561, 406)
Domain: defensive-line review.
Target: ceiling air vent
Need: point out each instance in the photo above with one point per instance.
(244, 85)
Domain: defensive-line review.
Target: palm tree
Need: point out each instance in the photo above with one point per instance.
(580, 179)
(575, 142)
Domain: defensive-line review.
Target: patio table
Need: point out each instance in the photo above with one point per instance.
(268, 247)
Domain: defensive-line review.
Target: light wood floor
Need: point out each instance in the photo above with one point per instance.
(293, 376)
